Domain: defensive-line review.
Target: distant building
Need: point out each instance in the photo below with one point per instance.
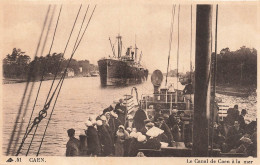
(80, 69)
(70, 72)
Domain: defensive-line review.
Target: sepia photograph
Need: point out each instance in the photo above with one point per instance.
(129, 79)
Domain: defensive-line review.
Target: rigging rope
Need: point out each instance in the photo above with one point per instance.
(46, 105)
(27, 84)
(29, 123)
(178, 53)
(170, 41)
(62, 79)
(32, 86)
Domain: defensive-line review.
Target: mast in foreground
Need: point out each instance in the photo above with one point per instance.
(202, 81)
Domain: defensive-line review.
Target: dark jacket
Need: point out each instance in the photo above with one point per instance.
(167, 131)
(188, 89)
(72, 147)
(133, 148)
(139, 118)
(105, 140)
(233, 137)
(121, 115)
(242, 122)
(94, 146)
(152, 143)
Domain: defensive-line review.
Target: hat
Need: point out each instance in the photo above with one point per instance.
(88, 123)
(141, 138)
(91, 118)
(138, 133)
(121, 126)
(133, 135)
(114, 114)
(166, 116)
(154, 132)
(103, 117)
(94, 122)
(134, 130)
(243, 111)
(147, 121)
(160, 118)
(71, 131)
(121, 100)
(129, 117)
(150, 124)
(99, 123)
(107, 113)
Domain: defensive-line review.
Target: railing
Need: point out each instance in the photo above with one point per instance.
(167, 102)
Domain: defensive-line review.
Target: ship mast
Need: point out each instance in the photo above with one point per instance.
(202, 81)
(119, 45)
(135, 49)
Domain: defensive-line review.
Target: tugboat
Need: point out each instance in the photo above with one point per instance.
(122, 70)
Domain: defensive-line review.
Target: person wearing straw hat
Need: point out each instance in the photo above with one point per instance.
(94, 146)
(121, 136)
(72, 147)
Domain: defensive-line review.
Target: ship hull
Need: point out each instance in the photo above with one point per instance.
(119, 73)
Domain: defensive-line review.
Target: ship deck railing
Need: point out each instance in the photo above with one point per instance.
(167, 102)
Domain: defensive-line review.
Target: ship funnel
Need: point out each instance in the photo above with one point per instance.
(157, 78)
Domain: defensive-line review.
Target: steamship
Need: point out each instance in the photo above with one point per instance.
(122, 70)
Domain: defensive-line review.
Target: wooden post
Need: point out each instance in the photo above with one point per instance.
(202, 81)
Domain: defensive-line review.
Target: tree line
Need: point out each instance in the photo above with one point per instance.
(19, 65)
(237, 68)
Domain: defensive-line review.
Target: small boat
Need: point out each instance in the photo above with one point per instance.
(94, 74)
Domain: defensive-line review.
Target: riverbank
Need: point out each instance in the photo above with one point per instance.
(17, 80)
(239, 91)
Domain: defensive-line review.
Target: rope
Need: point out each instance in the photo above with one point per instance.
(27, 84)
(170, 41)
(46, 106)
(80, 28)
(178, 53)
(57, 70)
(23, 140)
(28, 100)
(191, 42)
(62, 79)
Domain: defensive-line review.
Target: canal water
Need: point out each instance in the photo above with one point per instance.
(79, 98)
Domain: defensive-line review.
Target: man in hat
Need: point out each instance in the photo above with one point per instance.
(241, 120)
(72, 147)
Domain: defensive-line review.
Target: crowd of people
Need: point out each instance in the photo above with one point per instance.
(116, 133)
(233, 135)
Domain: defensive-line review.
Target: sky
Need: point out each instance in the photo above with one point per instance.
(147, 23)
